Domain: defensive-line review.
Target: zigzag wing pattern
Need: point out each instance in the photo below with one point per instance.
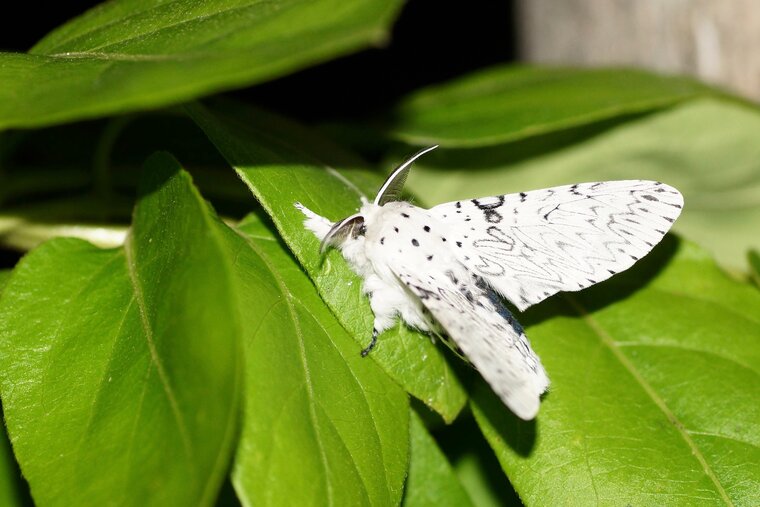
(490, 337)
(531, 245)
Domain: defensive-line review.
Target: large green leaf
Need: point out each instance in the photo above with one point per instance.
(655, 382)
(475, 464)
(431, 480)
(282, 164)
(508, 103)
(5, 275)
(11, 489)
(754, 266)
(121, 369)
(10, 477)
(136, 54)
(323, 426)
(708, 149)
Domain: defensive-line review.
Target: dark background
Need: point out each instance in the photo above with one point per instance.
(431, 42)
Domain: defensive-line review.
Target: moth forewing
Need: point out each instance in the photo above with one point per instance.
(447, 263)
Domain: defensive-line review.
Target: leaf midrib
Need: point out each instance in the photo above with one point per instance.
(150, 340)
(302, 355)
(376, 431)
(286, 296)
(65, 320)
(213, 227)
(102, 49)
(134, 36)
(608, 341)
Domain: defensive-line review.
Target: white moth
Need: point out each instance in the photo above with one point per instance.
(445, 268)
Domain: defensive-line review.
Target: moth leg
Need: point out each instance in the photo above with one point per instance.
(382, 322)
(371, 345)
(383, 302)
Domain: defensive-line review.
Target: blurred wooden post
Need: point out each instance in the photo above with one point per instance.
(715, 40)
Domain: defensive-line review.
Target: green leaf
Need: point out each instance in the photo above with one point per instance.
(283, 164)
(136, 54)
(708, 149)
(475, 464)
(121, 369)
(5, 275)
(508, 103)
(11, 484)
(754, 266)
(431, 480)
(655, 381)
(322, 423)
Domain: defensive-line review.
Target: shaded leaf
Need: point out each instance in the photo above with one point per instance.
(5, 275)
(283, 164)
(121, 368)
(475, 464)
(431, 480)
(508, 103)
(754, 266)
(10, 476)
(13, 489)
(655, 381)
(708, 149)
(323, 425)
(137, 54)
(11, 484)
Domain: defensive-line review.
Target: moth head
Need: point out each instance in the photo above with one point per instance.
(353, 227)
(343, 230)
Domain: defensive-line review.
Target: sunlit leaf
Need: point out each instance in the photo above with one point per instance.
(507, 103)
(323, 425)
(283, 164)
(121, 369)
(136, 54)
(708, 149)
(655, 381)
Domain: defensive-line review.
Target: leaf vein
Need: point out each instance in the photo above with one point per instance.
(609, 342)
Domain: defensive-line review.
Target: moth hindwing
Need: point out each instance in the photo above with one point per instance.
(445, 269)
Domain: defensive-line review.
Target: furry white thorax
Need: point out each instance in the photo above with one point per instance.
(389, 297)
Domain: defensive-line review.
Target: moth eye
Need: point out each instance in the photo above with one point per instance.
(362, 230)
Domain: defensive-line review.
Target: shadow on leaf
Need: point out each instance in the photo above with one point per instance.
(518, 434)
(611, 291)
